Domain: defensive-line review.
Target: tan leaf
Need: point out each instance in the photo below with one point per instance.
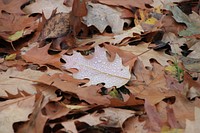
(15, 110)
(111, 117)
(46, 6)
(14, 85)
(133, 125)
(97, 69)
(145, 54)
(193, 126)
(113, 38)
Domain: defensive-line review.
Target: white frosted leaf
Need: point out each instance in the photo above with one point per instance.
(98, 69)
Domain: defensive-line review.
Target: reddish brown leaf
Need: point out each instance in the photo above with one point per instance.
(155, 123)
(42, 57)
(127, 3)
(11, 23)
(14, 6)
(89, 94)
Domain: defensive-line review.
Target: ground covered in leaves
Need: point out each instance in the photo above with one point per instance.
(99, 66)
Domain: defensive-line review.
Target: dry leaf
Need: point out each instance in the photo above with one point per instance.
(145, 54)
(16, 85)
(15, 26)
(128, 3)
(12, 6)
(68, 84)
(15, 110)
(46, 6)
(98, 69)
(110, 117)
(56, 26)
(193, 126)
(112, 39)
(133, 125)
(102, 16)
(42, 57)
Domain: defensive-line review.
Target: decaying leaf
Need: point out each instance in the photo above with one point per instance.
(102, 16)
(98, 69)
(56, 26)
(192, 21)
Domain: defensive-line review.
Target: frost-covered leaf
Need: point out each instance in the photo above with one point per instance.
(102, 16)
(98, 69)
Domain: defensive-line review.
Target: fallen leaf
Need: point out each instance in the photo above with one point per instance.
(133, 125)
(89, 94)
(145, 54)
(193, 126)
(102, 16)
(97, 68)
(191, 64)
(113, 39)
(128, 3)
(42, 57)
(109, 117)
(150, 84)
(56, 26)
(13, 6)
(46, 7)
(15, 26)
(15, 85)
(15, 110)
(192, 21)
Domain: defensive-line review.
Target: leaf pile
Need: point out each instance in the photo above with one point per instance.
(99, 66)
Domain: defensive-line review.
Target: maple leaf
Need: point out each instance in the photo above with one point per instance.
(15, 110)
(102, 15)
(98, 69)
(46, 7)
(14, 6)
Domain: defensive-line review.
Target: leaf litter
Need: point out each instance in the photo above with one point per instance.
(99, 66)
